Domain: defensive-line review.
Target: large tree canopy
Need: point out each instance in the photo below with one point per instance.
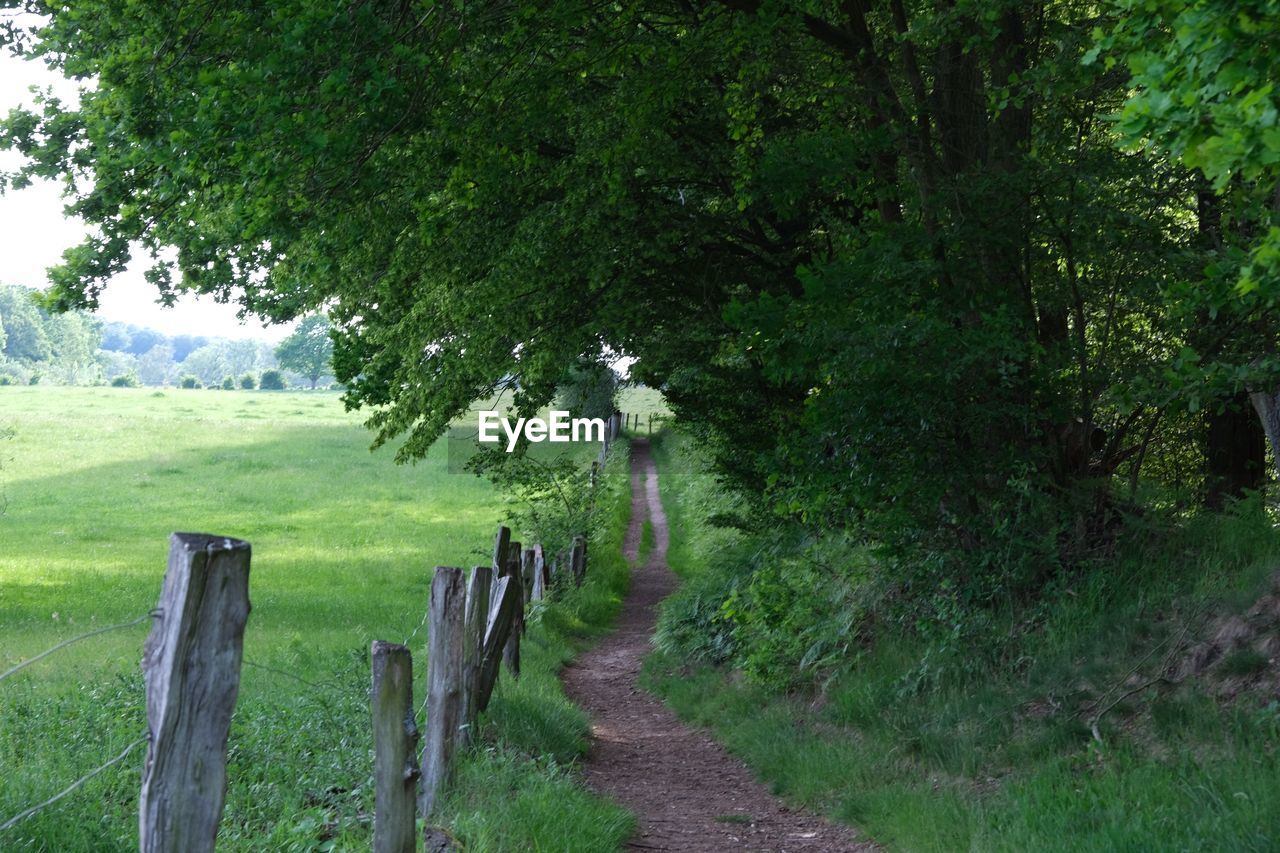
(888, 259)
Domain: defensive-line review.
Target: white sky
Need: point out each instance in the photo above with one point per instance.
(34, 233)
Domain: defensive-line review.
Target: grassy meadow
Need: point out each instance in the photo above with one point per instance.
(95, 479)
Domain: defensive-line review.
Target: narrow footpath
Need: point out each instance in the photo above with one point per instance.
(687, 792)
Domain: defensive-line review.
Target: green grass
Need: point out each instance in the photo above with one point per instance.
(992, 752)
(647, 403)
(344, 542)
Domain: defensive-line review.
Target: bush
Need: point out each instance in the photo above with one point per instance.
(190, 382)
(125, 380)
(228, 383)
(5, 380)
(272, 380)
(248, 382)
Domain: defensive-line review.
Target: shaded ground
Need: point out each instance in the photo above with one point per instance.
(687, 792)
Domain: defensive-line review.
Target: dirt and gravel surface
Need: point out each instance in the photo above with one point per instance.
(687, 792)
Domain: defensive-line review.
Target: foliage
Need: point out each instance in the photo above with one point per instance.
(125, 381)
(189, 381)
(589, 390)
(271, 380)
(248, 382)
(309, 350)
(228, 383)
(986, 745)
(889, 265)
(33, 341)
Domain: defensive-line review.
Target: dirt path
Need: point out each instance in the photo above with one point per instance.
(687, 792)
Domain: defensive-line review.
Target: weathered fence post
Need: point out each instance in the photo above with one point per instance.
(395, 745)
(445, 642)
(538, 590)
(578, 560)
(511, 650)
(479, 588)
(191, 663)
(501, 614)
(526, 574)
(501, 543)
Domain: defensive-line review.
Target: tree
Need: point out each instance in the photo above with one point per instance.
(589, 389)
(25, 335)
(208, 363)
(309, 350)
(885, 260)
(1204, 96)
(248, 382)
(156, 365)
(272, 380)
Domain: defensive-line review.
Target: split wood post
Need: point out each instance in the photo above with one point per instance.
(579, 560)
(538, 589)
(526, 574)
(511, 650)
(445, 641)
(479, 588)
(501, 542)
(500, 545)
(191, 666)
(395, 749)
(501, 615)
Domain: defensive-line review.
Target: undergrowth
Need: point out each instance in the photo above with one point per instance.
(515, 791)
(984, 741)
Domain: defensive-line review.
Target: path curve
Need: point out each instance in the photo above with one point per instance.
(680, 784)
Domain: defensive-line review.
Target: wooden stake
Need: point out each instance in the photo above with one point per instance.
(445, 644)
(191, 664)
(479, 588)
(395, 740)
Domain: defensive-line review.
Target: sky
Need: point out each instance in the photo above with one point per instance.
(34, 233)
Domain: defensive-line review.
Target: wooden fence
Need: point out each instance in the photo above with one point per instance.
(193, 656)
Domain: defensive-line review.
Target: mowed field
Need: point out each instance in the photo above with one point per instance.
(95, 480)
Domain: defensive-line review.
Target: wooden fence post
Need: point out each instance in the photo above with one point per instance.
(501, 542)
(538, 589)
(579, 560)
(395, 741)
(526, 574)
(511, 650)
(650, 432)
(501, 615)
(444, 683)
(479, 588)
(191, 664)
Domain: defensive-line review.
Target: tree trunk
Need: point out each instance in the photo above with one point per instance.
(1235, 452)
(1268, 408)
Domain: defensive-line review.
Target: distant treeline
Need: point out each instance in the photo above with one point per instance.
(75, 348)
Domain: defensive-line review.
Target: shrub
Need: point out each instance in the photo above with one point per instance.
(248, 382)
(272, 380)
(190, 382)
(228, 383)
(125, 380)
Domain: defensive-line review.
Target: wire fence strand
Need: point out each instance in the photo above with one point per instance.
(26, 663)
(18, 818)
